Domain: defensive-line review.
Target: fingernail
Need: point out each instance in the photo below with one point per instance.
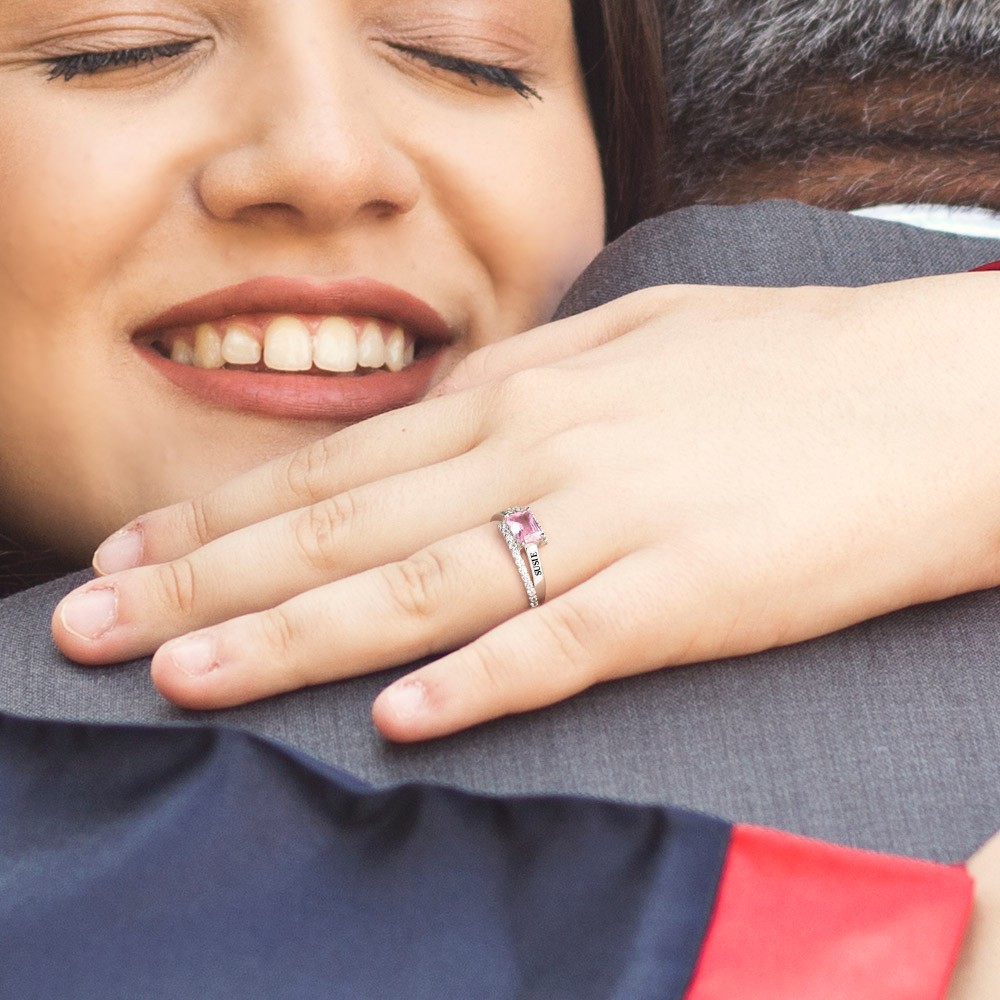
(193, 655)
(91, 614)
(123, 550)
(407, 700)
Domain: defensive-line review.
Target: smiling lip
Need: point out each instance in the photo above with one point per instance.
(296, 396)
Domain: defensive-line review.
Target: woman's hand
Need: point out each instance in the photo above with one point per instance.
(718, 471)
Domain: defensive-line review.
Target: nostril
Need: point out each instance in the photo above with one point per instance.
(272, 215)
(383, 209)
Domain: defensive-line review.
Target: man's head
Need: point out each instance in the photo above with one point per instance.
(840, 103)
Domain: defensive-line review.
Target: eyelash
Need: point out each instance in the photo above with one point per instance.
(475, 72)
(90, 63)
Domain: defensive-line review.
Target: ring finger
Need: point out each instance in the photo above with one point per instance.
(442, 597)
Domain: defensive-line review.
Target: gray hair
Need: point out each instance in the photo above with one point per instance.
(759, 85)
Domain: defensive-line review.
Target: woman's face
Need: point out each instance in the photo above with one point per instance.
(334, 200)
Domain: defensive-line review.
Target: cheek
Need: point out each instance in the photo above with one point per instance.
(76, 196)
(79, 198)
(528, 202)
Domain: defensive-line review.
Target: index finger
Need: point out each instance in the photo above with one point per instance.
(382, 446)
(560, 339)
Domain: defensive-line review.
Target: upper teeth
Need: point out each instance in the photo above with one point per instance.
(239, 346)
(335, 344)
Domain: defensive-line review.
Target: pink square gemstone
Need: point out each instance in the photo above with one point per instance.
(526, 530)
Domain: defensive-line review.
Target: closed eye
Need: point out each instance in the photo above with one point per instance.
(475, 72)
(90, 63)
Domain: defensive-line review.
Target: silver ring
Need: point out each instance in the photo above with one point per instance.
(524, 536)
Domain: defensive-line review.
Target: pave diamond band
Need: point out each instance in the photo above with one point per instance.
(523, 535)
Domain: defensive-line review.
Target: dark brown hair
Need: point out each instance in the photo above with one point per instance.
(20, 568)
(621, 50)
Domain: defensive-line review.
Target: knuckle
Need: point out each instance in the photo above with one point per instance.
(567, 454)
(319, 531)
(177, 582)
(538, 391)
(196, 520)
(415, 586)
(492, 670)
(648, 303)
(278, 635)
(473, 369)
(519, 388)
(570, 635)
(307, 472)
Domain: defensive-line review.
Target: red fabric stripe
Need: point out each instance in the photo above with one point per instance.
(995, 266)
(797, 919)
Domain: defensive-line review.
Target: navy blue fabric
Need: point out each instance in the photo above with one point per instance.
(206, 863)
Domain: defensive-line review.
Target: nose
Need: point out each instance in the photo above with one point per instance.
(309, 144)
